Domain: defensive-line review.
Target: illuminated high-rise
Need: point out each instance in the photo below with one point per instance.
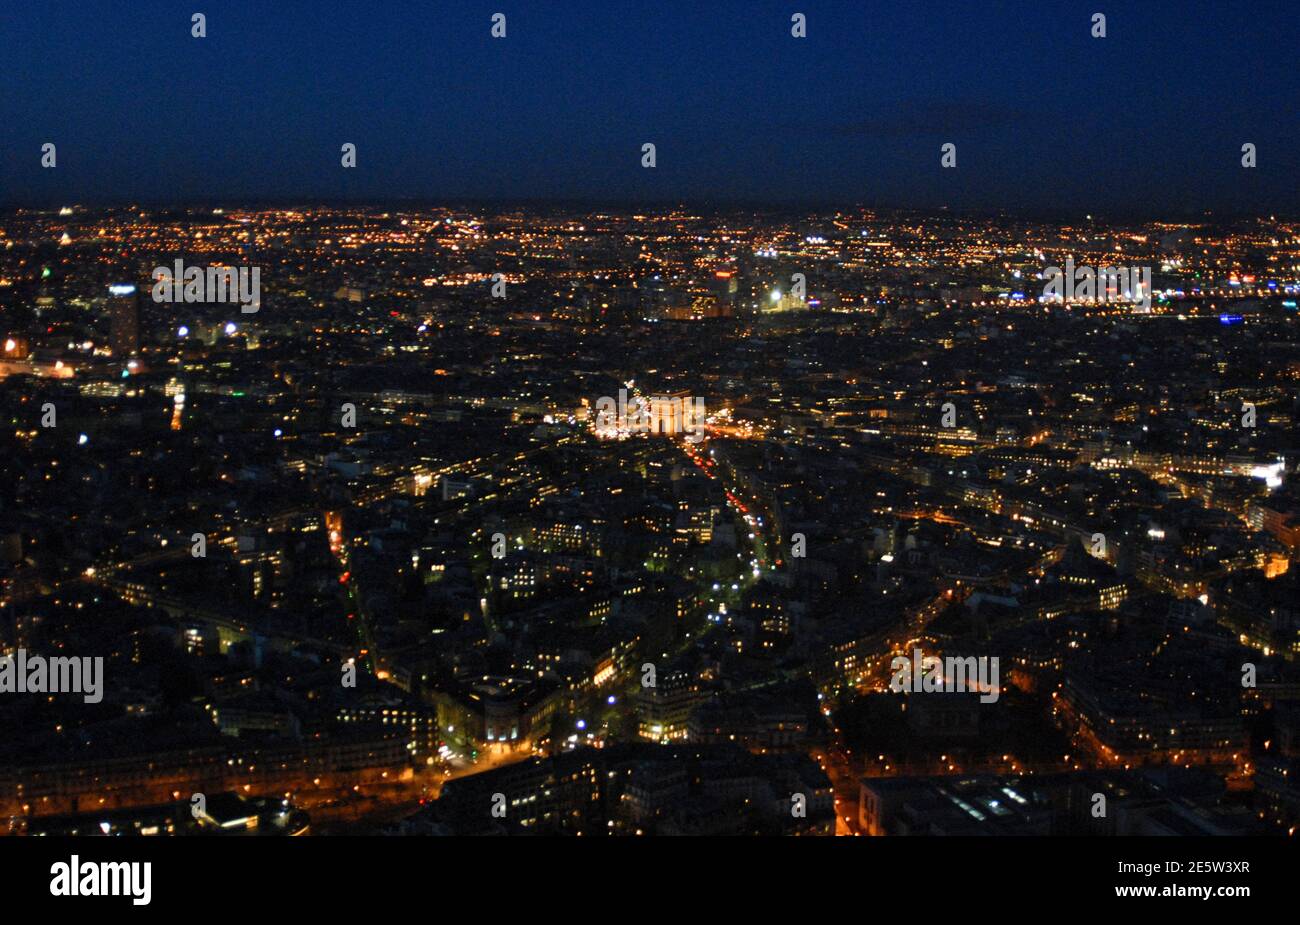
(124, 319)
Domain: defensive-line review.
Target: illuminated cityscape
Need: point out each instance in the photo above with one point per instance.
(878, 423)
(369, 555)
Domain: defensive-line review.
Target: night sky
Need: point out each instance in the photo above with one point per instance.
(1149, 120)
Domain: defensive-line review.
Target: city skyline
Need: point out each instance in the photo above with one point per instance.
(628, 496)
(609, 419)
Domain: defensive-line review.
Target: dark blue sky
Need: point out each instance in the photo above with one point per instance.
(1045, 117)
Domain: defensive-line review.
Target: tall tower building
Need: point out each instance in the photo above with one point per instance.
(124, 319)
